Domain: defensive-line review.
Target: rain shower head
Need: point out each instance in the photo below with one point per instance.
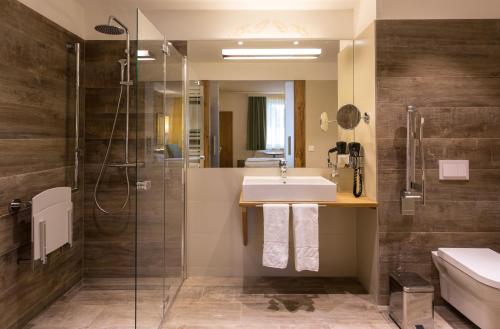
(112, 29)
(109, 29)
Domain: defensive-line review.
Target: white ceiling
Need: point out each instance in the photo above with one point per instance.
(210, 51)
(230, 4)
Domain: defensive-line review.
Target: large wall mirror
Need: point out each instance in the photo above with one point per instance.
(256, 103)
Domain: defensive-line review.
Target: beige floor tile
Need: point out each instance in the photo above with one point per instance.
(230, 303)
(205, 313)
(274, 313)
(189, 294)
(65, 315)
(114, 317)
(103, 297)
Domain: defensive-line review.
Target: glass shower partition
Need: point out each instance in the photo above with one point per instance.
(160, 174)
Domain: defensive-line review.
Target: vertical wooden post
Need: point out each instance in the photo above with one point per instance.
(300, 123)
(244, 218)
(206, 123)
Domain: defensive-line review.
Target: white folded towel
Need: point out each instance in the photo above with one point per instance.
(276, 222)
(305, 232)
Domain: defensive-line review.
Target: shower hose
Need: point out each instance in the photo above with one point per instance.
(105, 161)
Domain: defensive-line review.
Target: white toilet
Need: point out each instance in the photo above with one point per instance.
(470, 281)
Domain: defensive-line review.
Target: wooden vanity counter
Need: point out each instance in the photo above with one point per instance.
(344, 200)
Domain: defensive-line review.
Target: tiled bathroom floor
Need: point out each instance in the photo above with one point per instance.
(284, 303)
(230, 303)
(106, 304)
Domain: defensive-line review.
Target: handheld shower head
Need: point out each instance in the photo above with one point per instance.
(123, 64)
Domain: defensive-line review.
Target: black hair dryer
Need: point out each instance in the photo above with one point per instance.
(355, 164)
(340, 148)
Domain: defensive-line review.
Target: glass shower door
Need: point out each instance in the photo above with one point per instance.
(160, 170)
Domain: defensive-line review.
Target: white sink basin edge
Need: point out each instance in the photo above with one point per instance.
(292, 189)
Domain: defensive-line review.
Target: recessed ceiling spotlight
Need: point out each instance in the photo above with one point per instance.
(240, 43)
(295, 42)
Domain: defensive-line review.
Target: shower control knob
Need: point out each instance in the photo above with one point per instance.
(144, 185)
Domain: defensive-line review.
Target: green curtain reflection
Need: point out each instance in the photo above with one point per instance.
(256, 123)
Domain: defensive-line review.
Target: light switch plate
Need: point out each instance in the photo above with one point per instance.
(311, 148)
(454, 169)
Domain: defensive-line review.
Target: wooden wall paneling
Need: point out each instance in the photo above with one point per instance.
(449, 70)
(37, 77)
(109, 238)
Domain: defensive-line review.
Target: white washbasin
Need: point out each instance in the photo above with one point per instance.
(294, 188)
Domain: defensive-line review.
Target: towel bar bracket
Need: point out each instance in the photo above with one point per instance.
(244, 218)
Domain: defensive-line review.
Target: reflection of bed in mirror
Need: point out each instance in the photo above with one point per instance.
(263, 159)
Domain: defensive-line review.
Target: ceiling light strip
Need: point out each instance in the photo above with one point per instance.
(271, 52)
(268, 57)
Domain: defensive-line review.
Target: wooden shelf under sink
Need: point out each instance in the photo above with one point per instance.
(344, 200)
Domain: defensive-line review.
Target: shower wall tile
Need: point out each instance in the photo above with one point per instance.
(110, 239)
(441, 216)
(482, 186)
(441, 122)
(109, 258)
(37, 80)
(439, 91)
(473, 149)
(449, 70)
(22, 156)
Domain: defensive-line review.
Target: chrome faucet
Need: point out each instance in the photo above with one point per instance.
(283, 168)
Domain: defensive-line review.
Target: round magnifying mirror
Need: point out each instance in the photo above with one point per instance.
(348, 116)
(323, 121)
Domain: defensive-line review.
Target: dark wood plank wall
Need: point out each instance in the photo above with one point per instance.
(449, 70)
(37, 76)
(109, 238)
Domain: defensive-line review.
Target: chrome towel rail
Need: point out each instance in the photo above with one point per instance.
(319, 205)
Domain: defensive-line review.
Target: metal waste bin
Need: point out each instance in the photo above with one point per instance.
(411, 301)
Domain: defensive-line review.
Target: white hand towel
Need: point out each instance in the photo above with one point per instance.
(276, 218)
(305, 232)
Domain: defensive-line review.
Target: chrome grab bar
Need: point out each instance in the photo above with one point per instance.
(422, 158)
(414, 191)
(76, 47)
